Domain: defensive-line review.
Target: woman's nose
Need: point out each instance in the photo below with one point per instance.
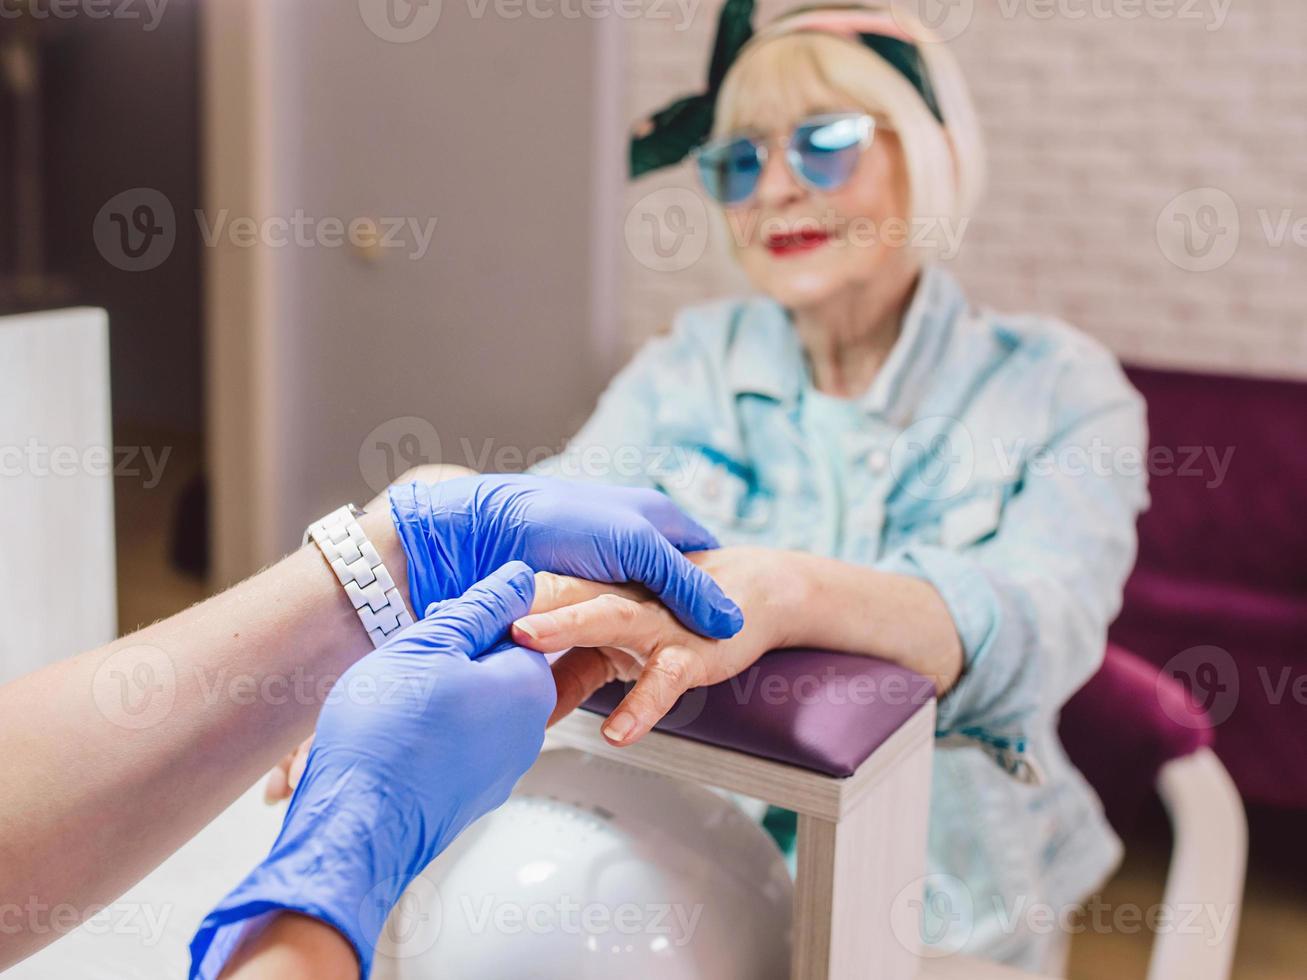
(776, 184)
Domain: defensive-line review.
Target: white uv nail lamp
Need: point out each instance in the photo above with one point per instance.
(594, 870)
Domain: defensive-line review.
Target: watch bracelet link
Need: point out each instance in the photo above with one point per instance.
(361, 572)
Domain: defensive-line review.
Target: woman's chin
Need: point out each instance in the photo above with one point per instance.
(796, 290)
(801, 279)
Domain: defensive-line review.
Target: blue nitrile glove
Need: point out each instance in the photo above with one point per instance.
(415, 741)
(457, 531)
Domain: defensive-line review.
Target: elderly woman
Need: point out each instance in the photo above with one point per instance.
(894, 472)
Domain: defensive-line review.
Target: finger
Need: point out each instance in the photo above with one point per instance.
(478, 619)
(678, 527)
(296, 771)
(577, 675)
(277, 787)
(688, 591)
(669, 673)
(606, 620)
(626, 666)
(524, 676)
(555, 591)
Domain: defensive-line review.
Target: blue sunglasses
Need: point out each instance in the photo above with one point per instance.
(822, 152)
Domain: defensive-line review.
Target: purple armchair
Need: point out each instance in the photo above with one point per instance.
(1134, 730)
(1218, 597)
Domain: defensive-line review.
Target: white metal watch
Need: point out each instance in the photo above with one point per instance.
(356, 563)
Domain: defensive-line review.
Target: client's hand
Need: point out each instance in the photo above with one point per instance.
(618, 633)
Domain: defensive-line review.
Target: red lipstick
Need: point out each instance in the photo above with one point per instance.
(794, 242)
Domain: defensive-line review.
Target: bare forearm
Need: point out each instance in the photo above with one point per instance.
(854, 609)
(294, 947)
(113, 752)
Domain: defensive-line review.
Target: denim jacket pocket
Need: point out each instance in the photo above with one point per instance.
(973, 519)
(718, 491)
(956, 523)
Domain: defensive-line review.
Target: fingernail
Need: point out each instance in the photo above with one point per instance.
(541, 624)
(619, 726)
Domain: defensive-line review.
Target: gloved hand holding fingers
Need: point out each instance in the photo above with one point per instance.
(416, 740)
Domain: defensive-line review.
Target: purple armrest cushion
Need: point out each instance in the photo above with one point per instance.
(823, 711)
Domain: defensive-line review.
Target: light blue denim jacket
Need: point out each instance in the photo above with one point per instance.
(999, 458)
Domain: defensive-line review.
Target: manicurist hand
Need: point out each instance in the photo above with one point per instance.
(418, 739)
(457, 531)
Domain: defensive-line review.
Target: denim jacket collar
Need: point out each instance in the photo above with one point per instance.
(766, 358)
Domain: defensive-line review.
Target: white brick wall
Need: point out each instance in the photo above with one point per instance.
(1094, 125)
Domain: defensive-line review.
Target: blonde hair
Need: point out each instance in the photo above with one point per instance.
(945, 164)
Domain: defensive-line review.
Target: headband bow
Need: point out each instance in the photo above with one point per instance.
(672, 133)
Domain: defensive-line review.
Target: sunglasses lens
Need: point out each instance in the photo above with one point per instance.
(826, 152)
(729, 171)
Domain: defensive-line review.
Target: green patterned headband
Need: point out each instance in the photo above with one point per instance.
(672, 133)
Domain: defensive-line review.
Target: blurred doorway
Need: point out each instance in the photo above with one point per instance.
(99, 150)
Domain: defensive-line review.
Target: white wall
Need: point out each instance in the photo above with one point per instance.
(486, 125)
(1095, 124)
(57, 592)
